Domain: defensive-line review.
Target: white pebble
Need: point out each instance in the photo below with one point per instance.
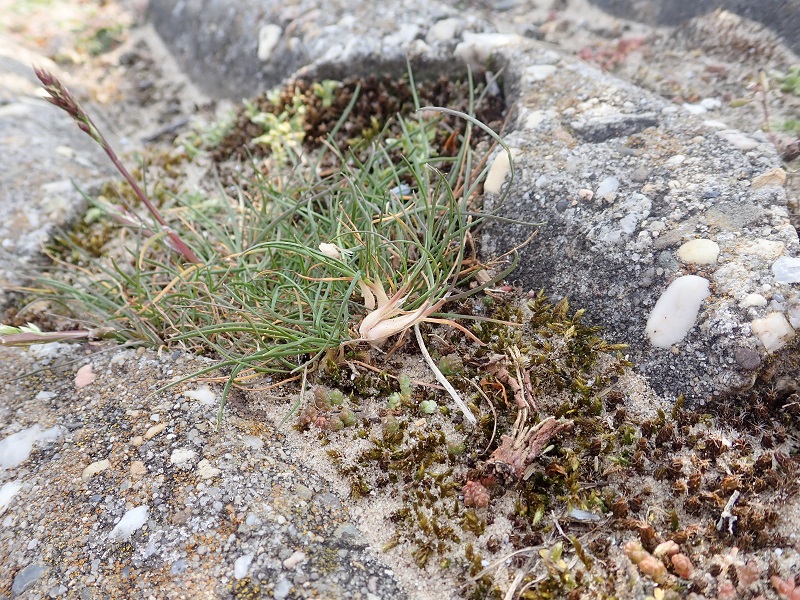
(268, 37)
(585, 194)
(181, 457)
(498, 171)
(753, 300)
(674, 161)
(766, 249)
(282, 588)
(695, 109)
(205, 470)
(203, 395)
(794, 316)
(714, 124)
(540, 72)
(737, 139)
(699, 252)
(773, 330)
(130, 522)
(242, 565)
(252, 520)
(676, 310)
(536, 118)
(254, 442)
(445, 30)
(7, 492)
(95, 468)
(477, 48)
(787, 269)
(16, 448)
(295, 559)
(607, 190)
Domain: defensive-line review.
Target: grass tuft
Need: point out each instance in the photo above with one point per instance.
(293, 262)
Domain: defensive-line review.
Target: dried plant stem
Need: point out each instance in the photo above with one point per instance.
(442, 379)
(31, 338)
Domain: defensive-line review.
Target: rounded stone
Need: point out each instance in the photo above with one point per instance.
(747, 358)
(676, 311)
(699, 252)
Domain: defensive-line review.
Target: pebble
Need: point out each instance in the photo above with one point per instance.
(16, 448)
(282, 588)
(498, 171)
(7, 492)
(737, 139)
(206, 471)
(695, 109)
(242, 566)
(349, 534)
(540, 72)
(766, 249)
(254, 442)
(753, 300)
(774, 331)
(84, 376)
(302, 491)
(713, 124)
(295, 559)
(787, 269)
(94, 469)
(179, 566)
(138, 469)
(674, 161)
(537, 117)
(268, 37)
(676, 310)
(477, 48)
(154, 431)
(444, 30)
(130, 522)
(204, 395)
(182, 457)
(252, 520)
(699, 252)
(776, 177)
(794, 321)
(25, 579)
(607, 190)
(746, 358)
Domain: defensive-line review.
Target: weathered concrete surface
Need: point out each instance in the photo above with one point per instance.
(677, 177)
(782, 17)
(621, 179)
(238, 49)
(43, 156)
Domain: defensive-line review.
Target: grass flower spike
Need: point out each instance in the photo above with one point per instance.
(61, 97)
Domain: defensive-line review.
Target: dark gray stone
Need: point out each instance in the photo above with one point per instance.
(600, 129)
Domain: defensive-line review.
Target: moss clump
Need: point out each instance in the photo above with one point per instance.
(312, 110)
